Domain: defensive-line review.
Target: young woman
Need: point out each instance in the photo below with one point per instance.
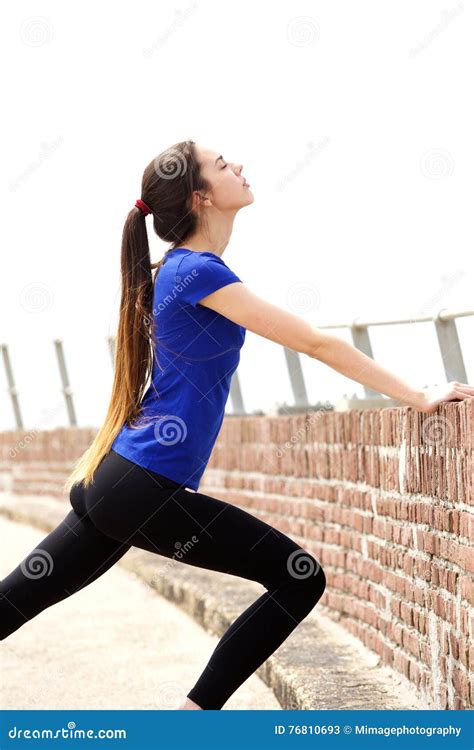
(184, 328)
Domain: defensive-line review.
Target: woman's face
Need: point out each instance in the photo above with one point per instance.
(228, 185)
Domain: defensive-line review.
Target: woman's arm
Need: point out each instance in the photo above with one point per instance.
(350, 361)
(238, 303)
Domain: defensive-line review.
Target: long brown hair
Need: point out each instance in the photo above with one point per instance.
(168, 184)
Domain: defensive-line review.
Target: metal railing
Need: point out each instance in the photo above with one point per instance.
(447, 335)
(444, 322)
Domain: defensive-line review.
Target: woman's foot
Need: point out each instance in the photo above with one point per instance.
(189, 705)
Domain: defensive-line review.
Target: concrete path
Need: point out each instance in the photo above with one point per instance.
(114, 645)
(100, 645)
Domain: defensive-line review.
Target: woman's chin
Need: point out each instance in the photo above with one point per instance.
(250, 197)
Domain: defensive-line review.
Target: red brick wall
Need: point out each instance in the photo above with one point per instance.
(384, 500)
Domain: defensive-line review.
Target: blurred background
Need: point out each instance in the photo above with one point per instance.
(354, 126)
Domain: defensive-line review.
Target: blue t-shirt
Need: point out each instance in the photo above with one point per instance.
(198, 351)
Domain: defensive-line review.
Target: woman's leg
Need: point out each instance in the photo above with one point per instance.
(142, 508)
(73, 555)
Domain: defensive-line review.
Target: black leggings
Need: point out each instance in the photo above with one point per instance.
(128, 505)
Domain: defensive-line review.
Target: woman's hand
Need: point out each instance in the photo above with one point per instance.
(436, 394)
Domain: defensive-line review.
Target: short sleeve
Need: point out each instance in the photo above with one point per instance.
(201, 274)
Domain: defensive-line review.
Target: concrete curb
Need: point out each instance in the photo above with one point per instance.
(319, 666)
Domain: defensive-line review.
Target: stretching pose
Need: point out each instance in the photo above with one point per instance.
(184, 326)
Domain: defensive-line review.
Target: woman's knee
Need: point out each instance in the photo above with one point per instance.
(305, 569)
(294, 565)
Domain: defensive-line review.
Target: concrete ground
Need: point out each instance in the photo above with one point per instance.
(140, 636)
(116, 644)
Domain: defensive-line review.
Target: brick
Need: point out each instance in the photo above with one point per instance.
(461, 683)
(470, 658)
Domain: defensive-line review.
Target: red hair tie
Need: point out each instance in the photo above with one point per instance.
(143, 207)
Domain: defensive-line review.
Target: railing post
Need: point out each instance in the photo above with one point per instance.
(11, 388)
(111, 343)
(361, 340)
(67, 390)
(450, 349)
(296, 377)
(236, 395)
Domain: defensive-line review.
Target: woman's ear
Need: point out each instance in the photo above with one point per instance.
(199, 199)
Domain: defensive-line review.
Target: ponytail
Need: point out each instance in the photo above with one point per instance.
(133, 349)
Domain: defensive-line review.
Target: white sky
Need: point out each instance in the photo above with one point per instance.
(354, 125)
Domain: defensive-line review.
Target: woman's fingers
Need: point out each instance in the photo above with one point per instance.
(466, 390)
(452, 391)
